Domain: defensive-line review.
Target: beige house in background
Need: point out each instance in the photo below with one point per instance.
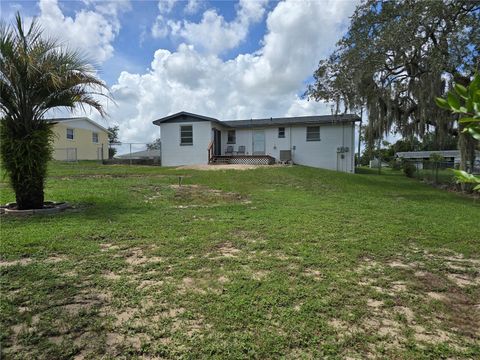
(79, 139)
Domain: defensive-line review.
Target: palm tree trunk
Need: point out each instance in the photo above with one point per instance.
(29, 194)
(25, 156)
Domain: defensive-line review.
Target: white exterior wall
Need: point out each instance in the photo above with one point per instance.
(322, 154)
(174, 154)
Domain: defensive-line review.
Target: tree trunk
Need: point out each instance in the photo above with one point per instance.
(29, 194)
(25, 154)
(466, 146)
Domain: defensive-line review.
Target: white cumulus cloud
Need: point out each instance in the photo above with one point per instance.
(91, 31)
(214, 34)
(192, 6)
(264, 83)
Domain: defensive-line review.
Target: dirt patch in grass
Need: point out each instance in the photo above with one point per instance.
(108, 247)
(462, 280)
(314, 274)
(260, 274)
(136, 257)
(26, 261)
(191, 284)
(21, 262)
(110, 275)
(222, 167)
(108, 176)
(55, 259)
(447, 293)
(226, 250)
(148, 284)
(198, 195)
(187, 196)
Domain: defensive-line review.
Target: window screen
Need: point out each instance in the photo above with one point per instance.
(186, 135)
(231, 138)
(313, 133)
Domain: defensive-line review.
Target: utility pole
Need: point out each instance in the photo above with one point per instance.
(360, 135)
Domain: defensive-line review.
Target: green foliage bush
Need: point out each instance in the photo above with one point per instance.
(395, 164)
(409, 169)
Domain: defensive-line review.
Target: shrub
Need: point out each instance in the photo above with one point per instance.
(409, 169)
(395, 164)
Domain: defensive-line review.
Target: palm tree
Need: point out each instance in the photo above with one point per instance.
(37, 75)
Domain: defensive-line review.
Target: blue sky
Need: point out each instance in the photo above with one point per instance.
(226, 59)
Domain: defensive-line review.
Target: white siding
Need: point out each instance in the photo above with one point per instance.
(174, 154)
(321, 154)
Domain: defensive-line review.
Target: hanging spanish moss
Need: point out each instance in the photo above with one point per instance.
(395, 59)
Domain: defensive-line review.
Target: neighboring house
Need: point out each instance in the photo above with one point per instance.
(319, 141)
(418, 157)
(141, 155)
(79, 139)
(374, 163)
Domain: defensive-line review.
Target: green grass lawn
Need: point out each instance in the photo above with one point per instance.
(280, 262)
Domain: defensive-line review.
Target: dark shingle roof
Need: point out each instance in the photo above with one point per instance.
(296, 120)
(183, 115)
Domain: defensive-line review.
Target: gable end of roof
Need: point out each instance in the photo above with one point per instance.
(61, 120)
(184, 116)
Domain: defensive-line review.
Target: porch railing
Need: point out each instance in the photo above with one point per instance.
(210, 152)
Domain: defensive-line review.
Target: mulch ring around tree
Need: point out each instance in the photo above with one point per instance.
(49, 207)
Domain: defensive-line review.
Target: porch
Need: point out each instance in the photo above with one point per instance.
(243, 159)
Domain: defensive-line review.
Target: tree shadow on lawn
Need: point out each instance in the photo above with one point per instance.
(89, 210)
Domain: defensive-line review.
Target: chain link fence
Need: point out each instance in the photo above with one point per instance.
(65, 154)
(434, 172)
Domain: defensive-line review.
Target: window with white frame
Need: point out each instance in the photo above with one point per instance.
(186, 135)
(313, 133)
(231, 137)
(70, 134)
(281, 132)
(95, 137)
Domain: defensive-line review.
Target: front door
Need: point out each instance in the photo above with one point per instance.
(258, 142)
(217, 142)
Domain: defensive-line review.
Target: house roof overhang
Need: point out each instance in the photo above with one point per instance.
(63, 120)
(183, 116)
(252, 123)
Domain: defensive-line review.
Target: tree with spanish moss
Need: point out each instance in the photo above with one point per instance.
(395, 59)
(37, 75)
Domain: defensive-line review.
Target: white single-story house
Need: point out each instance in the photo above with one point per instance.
(319, 141)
